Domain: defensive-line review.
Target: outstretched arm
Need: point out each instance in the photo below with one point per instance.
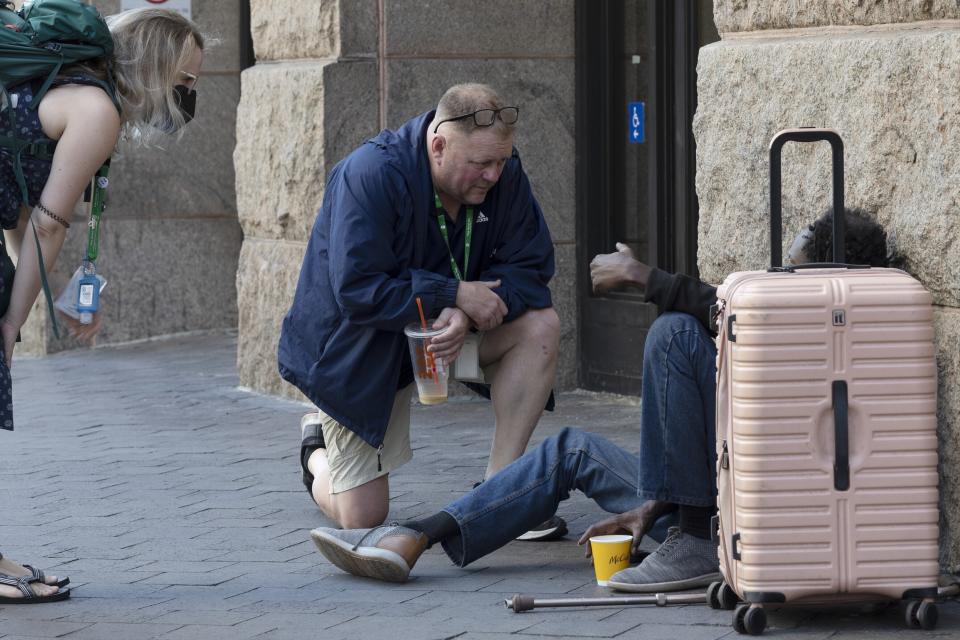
(90, 132)
(669, 291)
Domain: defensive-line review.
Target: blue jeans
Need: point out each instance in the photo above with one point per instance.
(676, 462)
(678, 432)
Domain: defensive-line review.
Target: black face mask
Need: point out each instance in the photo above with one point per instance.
(186, 100)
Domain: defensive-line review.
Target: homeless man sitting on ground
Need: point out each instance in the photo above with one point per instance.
(674, 471)
(439, 210)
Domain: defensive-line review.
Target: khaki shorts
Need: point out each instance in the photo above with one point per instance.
(353, 462)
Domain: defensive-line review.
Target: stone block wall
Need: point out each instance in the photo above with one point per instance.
(170, 239)
(338, 71)
(882, 73)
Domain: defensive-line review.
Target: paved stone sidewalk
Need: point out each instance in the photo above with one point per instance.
(173, 501)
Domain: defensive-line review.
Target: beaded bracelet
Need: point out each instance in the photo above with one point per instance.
(66, 225)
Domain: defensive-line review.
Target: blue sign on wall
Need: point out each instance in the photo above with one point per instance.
(635, 125)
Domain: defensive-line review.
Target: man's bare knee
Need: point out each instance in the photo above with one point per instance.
(542, 325)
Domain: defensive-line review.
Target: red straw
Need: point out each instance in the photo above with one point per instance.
(423, 318)
(430, 361)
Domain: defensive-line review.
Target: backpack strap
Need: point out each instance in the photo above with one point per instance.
(44, 284)
(108, 86)
(38, 96)
(111, 87)
(17, 147)
(41, 150)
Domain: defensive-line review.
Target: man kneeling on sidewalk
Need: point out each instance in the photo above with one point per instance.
(436, 218)
(674, 471)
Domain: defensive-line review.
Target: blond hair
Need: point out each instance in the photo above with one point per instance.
(151, 46)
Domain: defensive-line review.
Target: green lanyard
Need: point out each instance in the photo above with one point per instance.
(100, 183)
(466, 239)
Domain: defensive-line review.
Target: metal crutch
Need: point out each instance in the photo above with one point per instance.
(524, 602)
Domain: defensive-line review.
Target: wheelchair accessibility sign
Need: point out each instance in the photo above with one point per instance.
(635, 122)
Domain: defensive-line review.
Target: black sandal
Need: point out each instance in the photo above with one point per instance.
(36, 575)
(311, 439)
(29, 595)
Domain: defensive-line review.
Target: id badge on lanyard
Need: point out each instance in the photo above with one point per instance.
(466, 367)
(442, 222)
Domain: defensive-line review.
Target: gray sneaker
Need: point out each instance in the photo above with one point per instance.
(681, 562)
(386, 553)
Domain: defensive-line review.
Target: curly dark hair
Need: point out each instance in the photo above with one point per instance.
(866, 241)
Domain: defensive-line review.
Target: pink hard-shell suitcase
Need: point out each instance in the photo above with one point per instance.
(826, 431)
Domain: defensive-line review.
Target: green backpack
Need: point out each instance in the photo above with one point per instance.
(47, 34)
(37, 42)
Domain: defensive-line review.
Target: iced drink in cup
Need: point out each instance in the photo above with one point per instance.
(429, 371)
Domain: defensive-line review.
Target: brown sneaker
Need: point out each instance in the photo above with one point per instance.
(387, 552)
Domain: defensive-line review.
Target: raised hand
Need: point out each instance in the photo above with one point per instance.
(612, 270)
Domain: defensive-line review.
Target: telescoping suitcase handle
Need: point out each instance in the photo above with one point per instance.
(776, 192)
(841, 467)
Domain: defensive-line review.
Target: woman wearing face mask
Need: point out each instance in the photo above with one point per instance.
(155, 66)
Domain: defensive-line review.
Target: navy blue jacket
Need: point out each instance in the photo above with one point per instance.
(374, 248)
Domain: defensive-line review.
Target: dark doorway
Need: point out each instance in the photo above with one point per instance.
(635, 176)
(247, 57)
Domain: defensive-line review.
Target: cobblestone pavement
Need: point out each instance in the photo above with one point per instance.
(173, 501)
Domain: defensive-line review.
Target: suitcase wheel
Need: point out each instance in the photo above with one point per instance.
(721, 596)
(749, 619)
(713, 595)
(727, 597)
(921, 614)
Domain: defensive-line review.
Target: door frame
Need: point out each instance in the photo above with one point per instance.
(618, 321)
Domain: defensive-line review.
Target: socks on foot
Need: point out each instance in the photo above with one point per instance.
(696, 520)
(436, 527)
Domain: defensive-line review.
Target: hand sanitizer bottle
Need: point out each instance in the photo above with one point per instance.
(88, 296)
